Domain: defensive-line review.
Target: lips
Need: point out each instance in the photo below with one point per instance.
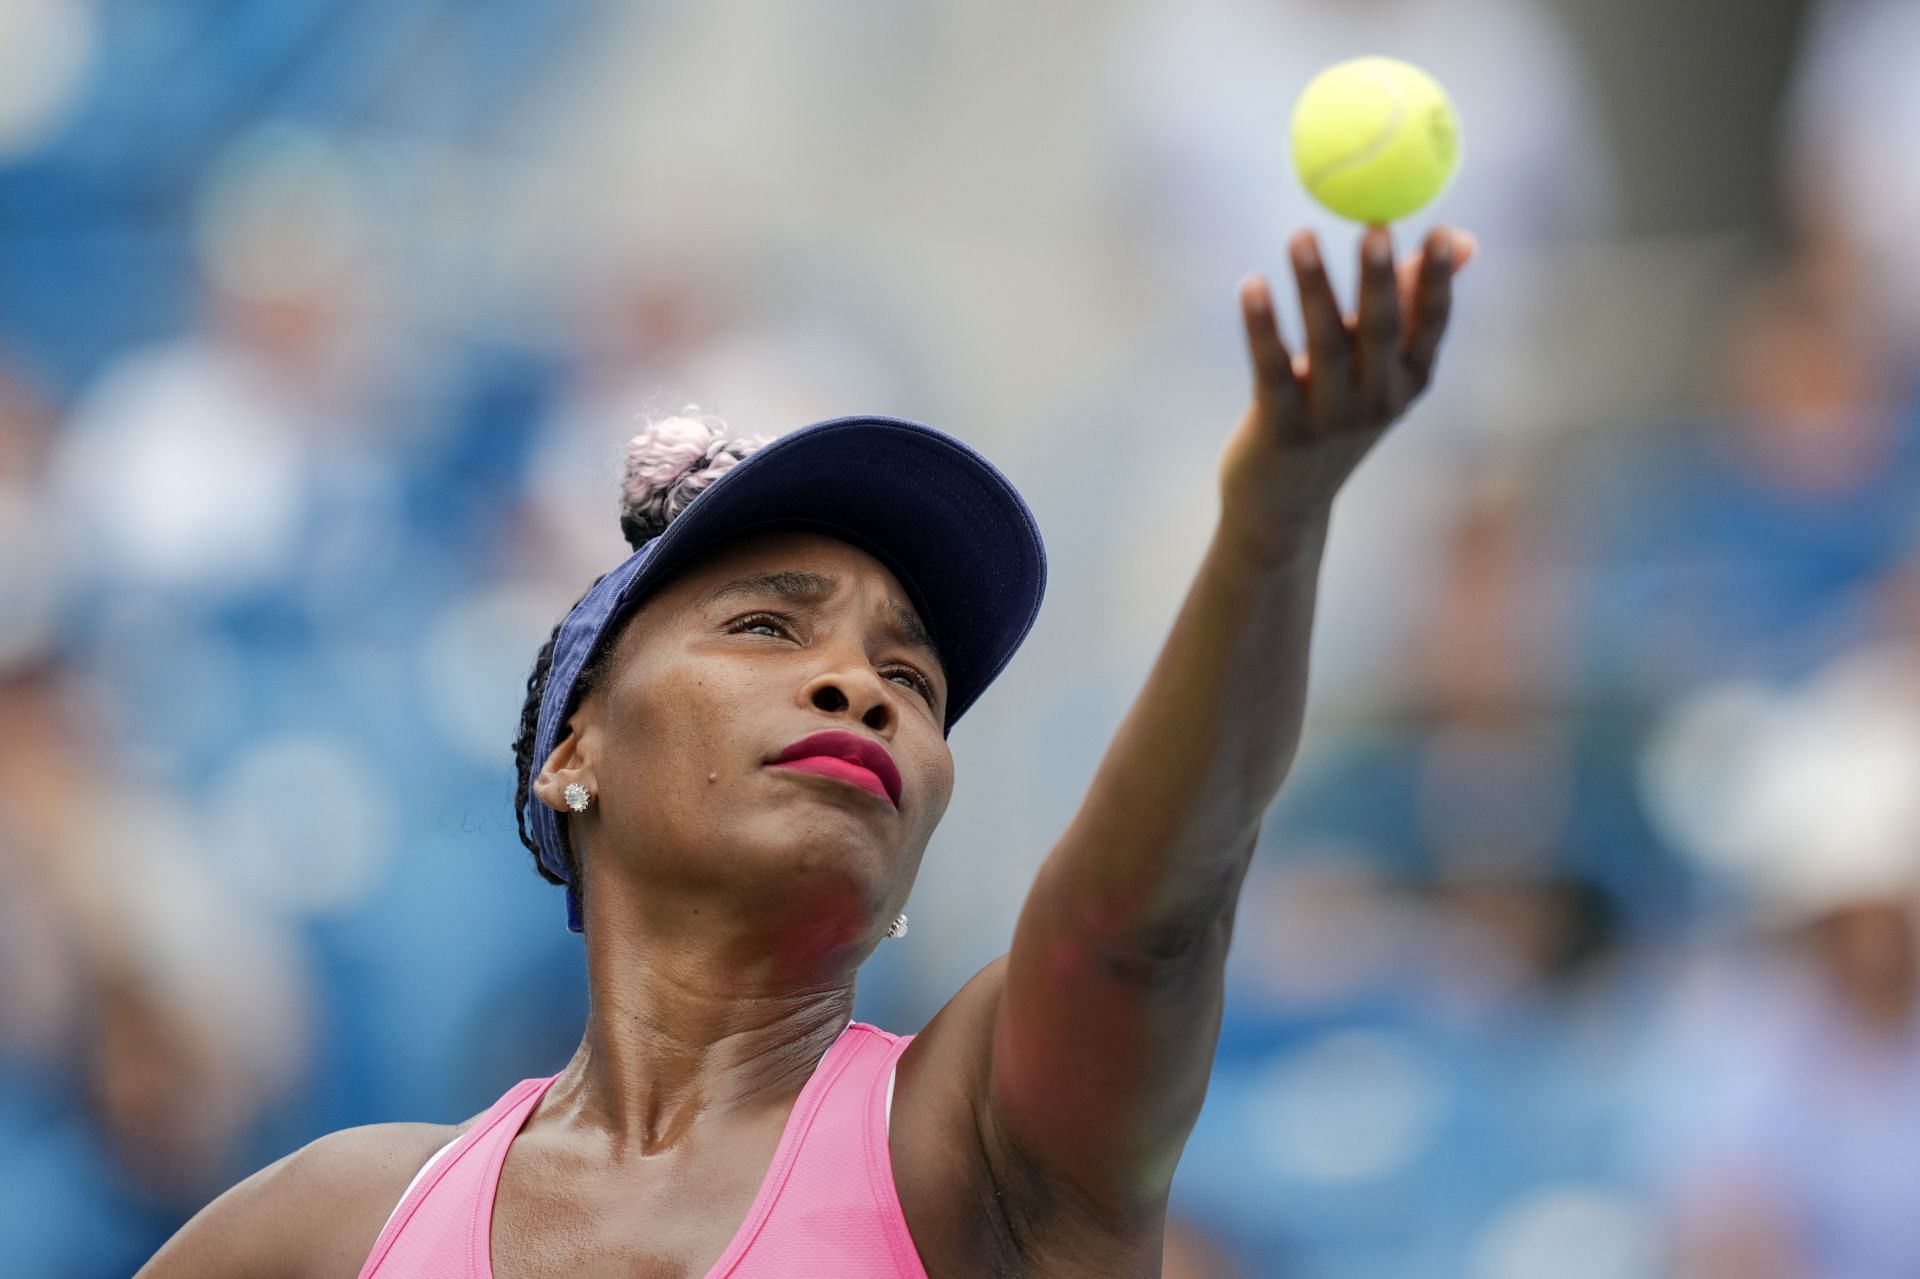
(847, 756)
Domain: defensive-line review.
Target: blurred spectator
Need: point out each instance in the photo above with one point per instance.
(1742, 545)
(1784, 1096)
(1852, 178)
(1490, 647)
(201, 467)
(146, 1021)
(1476, 763)
(1540, 936)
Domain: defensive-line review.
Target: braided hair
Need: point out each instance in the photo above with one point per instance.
(668, 464)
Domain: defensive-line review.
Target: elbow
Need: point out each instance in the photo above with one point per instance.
(1169, 952)
(1145, 932)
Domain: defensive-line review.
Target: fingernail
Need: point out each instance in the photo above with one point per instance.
(1306, 255)
(1376, 249)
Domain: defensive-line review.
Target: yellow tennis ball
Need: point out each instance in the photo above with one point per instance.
(1375, 139)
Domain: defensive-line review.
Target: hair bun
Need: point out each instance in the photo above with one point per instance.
(669, 464)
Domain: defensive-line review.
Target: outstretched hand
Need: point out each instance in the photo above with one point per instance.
(1315, 416)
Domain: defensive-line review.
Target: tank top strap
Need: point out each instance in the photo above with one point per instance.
(829, 1204)
(470, 1170)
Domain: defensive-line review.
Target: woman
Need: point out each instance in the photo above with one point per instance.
(733, 757)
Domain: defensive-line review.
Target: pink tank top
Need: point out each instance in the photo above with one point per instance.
(827, 1208)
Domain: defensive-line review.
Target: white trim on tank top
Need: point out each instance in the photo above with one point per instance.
(434, 1158)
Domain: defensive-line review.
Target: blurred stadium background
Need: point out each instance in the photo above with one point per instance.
(1582, 940)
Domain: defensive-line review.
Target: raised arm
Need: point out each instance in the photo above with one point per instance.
(1106, 1026)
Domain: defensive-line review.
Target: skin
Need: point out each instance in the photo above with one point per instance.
(729, 905)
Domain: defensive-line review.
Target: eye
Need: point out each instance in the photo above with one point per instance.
(783, 627)
(920, 683)
(772, 621)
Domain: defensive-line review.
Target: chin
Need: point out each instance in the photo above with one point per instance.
(814, 835)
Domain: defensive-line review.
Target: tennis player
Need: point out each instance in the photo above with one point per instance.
(733, 755)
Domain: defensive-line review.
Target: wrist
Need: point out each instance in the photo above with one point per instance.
(1273, 541)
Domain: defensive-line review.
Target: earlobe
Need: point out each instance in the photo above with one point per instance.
(568, 765)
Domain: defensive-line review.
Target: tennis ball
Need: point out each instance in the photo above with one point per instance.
(1375, 139)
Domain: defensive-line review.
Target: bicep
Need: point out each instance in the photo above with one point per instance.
(1102, 1048)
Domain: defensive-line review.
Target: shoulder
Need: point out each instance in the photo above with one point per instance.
(315, 1212)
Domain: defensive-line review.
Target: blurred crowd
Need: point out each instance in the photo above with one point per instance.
(1583, 939)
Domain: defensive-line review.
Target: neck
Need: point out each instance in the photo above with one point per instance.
(712, 1017)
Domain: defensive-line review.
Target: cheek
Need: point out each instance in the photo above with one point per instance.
(668, 731)
(936, 774)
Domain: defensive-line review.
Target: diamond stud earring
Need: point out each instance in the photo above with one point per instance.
(898, 928)
(577, 797)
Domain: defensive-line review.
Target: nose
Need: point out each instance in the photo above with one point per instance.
(856, 689)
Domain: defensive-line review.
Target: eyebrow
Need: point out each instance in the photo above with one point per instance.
(797, 586)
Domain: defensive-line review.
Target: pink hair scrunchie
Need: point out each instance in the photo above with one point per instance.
(668, 465)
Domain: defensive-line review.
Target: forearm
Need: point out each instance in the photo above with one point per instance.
(1161, 842)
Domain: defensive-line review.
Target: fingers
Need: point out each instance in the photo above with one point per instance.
(1329, 345)
(1465, 243)
(1431, 301)
(1273, 375)
(1380, 358)
(1377, 325)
